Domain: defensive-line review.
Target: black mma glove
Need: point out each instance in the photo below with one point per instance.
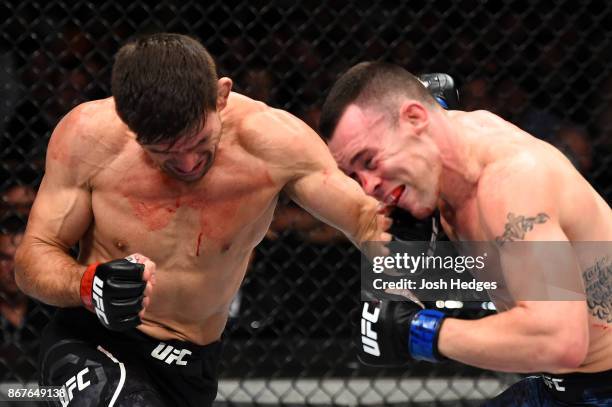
(394, 332)
(114, 291)
(442, 88)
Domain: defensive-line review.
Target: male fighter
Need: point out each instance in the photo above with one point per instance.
(491, 182)
(167, 187)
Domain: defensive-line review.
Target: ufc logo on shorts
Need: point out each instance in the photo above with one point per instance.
(98, 284)
(553, 383)
(75, 382)
(170, 354)
(368, 336)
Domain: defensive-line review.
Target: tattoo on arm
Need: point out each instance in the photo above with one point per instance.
(598, 286)
(517, 226)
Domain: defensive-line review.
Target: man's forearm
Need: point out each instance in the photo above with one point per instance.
(367, 227)
(47, 273)
(371, 236)
(507, 341)
(339, 201)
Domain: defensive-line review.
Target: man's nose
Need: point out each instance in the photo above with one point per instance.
(187, 162)
(369, 182)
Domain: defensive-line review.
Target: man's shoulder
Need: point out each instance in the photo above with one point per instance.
(90, 130)
(276, 137)
(480, 118)
(259, 119)
(516, 173)
(261, 127)
(89, 115)
(241, 110)
(518, 185)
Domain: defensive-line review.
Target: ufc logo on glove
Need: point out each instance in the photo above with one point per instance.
(369, 336)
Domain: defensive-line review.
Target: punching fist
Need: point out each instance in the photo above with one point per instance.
(118, 290)
(394, 332)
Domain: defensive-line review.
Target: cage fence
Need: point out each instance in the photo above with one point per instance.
(542, 65)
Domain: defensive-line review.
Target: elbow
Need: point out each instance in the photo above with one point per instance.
(567, 350)
(20, 270)
(575, 351)
(559, 341)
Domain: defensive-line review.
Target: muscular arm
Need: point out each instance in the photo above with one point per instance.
(534, 335)
(339, 201)
(314, 181)
(60, 216)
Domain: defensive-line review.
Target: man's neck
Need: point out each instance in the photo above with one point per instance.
(462, 162)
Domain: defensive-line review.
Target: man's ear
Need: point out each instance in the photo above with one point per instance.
(415, 114)
(224, 86)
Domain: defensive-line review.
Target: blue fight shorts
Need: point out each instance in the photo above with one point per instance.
(548, 390)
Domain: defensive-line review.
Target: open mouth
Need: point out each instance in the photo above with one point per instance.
(393, 198)
(194, 171)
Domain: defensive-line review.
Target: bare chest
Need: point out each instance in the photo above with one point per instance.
(138, 208)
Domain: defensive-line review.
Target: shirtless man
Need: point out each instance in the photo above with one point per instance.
(491, 182)
(167, 187)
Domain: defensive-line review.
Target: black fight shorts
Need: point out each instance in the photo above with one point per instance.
(98, 367)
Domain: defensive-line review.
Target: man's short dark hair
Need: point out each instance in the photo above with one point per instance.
(163, 85)
(370, 84)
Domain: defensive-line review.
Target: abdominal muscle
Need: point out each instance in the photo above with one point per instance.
(193, 305)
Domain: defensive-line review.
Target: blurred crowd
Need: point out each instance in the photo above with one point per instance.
(542, 88)
(21, 318)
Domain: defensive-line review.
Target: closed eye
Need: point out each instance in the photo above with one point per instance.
(369, 164)
(169, 152)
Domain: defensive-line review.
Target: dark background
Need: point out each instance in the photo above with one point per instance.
(544, 65)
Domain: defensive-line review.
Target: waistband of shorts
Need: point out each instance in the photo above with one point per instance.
(85, 321)
(574, 387)
(177, 343)
(579, 376)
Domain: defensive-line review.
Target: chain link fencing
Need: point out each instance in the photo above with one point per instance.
(543, 65)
